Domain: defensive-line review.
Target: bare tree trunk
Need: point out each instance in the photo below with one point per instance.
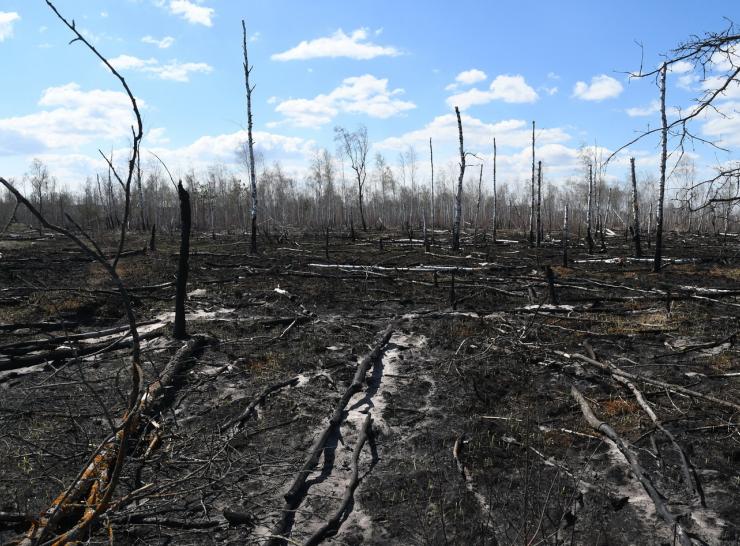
(531, 207)
(250, 141)
(480, 193)
(179, 331)
(635, 212)
(458, 195)
(650, 224)
(142, 215)
(663, 161)
(431, 163)
(589, 207)
(565, 237)
(494, 219)
(539, 203)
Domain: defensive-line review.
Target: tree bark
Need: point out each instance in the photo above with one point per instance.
(250, 142)
(458, 195)
(635, 212)
(531, 205)
(495, 203)
(539, 204)
(565, 237)
(657, 264)
(431, 164)
(589, 207)
(180, 331)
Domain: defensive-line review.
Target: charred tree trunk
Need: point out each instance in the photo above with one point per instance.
(431, 164)
(179, 331)
(250, 141)
(531, 205)
(539, 203)
(663, 161)
(589, 208)
(458, 195)
(494, 219)
(152, 239)
(565, 237)
(480, 194)
(635, 212)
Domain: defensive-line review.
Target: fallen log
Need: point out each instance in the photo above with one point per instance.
(331, 527)
(639, 472)
(297, 490)
(612, 369)
(65, 353)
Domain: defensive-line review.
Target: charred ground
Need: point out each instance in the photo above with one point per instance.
(475, 437)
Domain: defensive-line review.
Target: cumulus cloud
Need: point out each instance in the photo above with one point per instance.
(359, 95)
(339, 44)
(469, 77)
(478, 134)
(507, 88)
(70, 117)
(173, 70)
(7, 19)
(164, 43)
(601, 87)
(192, 13)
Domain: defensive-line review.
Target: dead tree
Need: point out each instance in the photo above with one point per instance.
(480, 195)
(94, 486)
(431, 165)
(539, 204)
(635, 212)
(355, 147)
(657, 264)
(180, 330)
(494, 219)
(531, 193)
(589, 208)
(714, 56)
(250, 140)
(458, 196)
(565, 236)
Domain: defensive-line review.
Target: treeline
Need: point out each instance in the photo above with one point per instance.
(396, 198)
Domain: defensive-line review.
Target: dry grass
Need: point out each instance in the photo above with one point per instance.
(723, 362)
(732, 273)
(618, 407)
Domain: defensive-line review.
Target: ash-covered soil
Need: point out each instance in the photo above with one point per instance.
(475, 435)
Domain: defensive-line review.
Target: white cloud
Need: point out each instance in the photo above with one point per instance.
(512, 89)
(129, 62)
(359, 95)
(164, 43)
(71, 118)
(723, 125)
(550, 90)
(103, 14)
(681, 67)
(469, 77)
(601, 87)
(339, 44)
(192, 13)
(478, 135)
(156, 136)
(172, 70)
(7, 18)
(641, 111)
(507, 88)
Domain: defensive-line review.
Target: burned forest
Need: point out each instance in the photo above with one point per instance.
(421, 351)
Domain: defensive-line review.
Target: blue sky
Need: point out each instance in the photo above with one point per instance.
(396, 67)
